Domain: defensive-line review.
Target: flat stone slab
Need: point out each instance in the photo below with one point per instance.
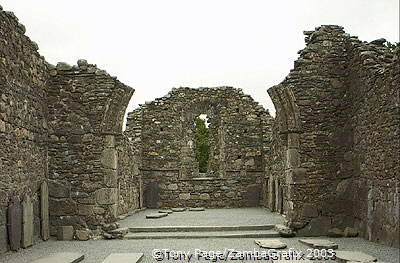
(196, 209)
(61, 258)
(319, 243)
(270, 243)
(124, 258)
(168, 211)
(356, 256)
(178, 209)
(156, 215)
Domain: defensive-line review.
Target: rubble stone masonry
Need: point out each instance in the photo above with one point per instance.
(330, 157)
(336, 135)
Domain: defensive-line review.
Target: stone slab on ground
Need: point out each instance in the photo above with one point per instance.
(319, 243)
(27, 222)
(168, 211)
(61, 258)
(343, 256)
(196, 209)
(14, 219)
(44, 211)
(156, 215)
(270, 243)
(124, 258)
(178, 209)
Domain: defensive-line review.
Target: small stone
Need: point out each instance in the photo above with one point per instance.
(196, 209)
(173, 187)
(156, 215)
(350, 232)
(168, 211)
(204, 196)
(335, 232)
(356, 256)
(178, 209)
(184, 196)
(82, 63)
(284, 231)
(82, 235)
(119, 233)
(379, 41)
(270, 243)
(63, 66)
(319, 243)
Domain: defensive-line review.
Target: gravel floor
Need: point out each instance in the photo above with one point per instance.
(97, 250)
(209, 217)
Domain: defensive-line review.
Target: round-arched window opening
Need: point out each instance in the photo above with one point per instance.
(202, 142)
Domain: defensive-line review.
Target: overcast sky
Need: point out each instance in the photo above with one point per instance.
(153, 46)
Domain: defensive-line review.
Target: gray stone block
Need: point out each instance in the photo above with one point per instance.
(65, 257)
(44, 211)
(109, 158)
(319, 243)
(178, 209)
(82, 234)
(196, 209)
(343, 256)
(123, 258)
(168, 211)
(65, 233)
(270, 243)
(27, 222)
(156, 215)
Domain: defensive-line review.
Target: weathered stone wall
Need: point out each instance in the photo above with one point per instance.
(23, 124)
(129, 182)
(337, 138)
(374, 157)
(164, 129)
(86, 110)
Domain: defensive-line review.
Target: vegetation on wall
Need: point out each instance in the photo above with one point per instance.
(202, 144)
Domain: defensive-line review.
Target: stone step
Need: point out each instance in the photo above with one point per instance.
(123, 258)
(61, 258)
(203, 234)
(198, 228)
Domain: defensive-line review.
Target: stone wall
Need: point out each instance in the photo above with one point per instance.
(23, 126)
(164, 128)
(86, 110)
(336, 136)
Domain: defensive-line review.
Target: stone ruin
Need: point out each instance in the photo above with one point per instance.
(162, 133)
(330, 157)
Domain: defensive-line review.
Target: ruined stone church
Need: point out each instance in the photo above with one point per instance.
(329, 159)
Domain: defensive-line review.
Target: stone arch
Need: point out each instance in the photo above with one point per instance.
(210, 107)
(282, 187)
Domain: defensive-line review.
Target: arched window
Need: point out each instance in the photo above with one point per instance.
(202, 142)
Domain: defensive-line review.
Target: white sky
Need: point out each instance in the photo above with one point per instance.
(153, 46)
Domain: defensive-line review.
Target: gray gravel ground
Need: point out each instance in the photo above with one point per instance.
(97, 250)
(209, 217)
